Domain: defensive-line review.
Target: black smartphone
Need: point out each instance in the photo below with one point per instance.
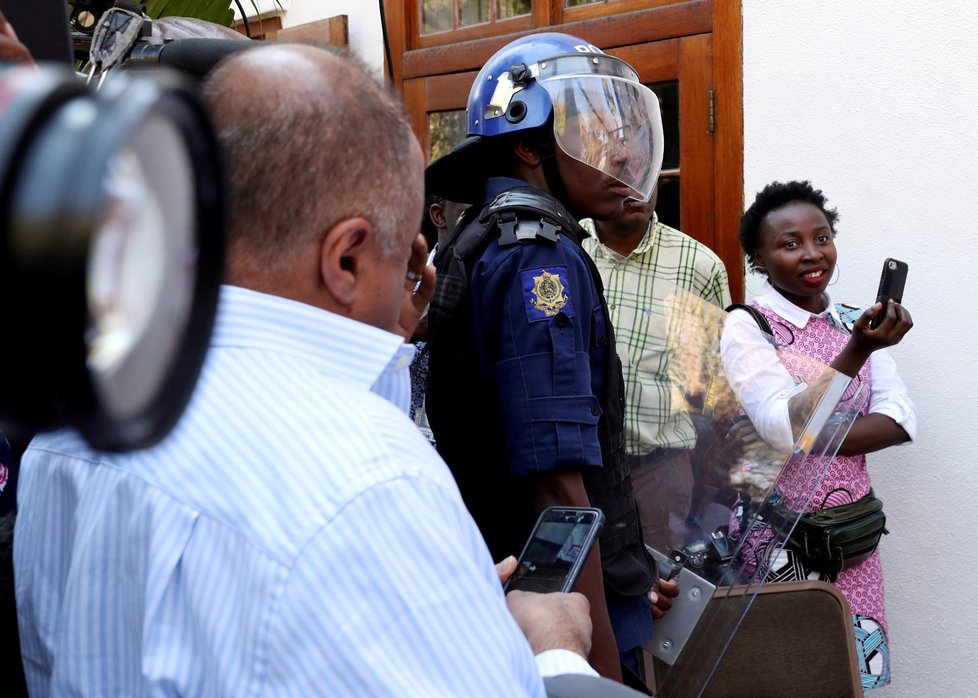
(892, 280)
(557, 549)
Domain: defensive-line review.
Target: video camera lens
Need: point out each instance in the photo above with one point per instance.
(111, 252)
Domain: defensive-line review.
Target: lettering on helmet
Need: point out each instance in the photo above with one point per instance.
(588, 48)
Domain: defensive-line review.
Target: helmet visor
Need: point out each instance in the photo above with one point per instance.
(611, 123)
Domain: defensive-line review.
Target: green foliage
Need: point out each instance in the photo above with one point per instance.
(217, 11)
(446, 130)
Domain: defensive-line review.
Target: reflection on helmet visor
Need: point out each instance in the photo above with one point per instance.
(610, 124)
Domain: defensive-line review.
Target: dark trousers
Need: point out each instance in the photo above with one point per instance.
(663, 482)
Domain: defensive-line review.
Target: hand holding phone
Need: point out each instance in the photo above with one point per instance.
(892, 280)
(557, 549)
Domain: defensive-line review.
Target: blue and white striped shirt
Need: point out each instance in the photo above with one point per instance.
(294, 536)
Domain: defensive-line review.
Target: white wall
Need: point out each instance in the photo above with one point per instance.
(877, 104)
(366, 39)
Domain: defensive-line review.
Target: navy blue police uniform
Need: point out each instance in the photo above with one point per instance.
(522, 364)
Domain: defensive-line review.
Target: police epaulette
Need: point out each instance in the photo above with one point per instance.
(543, 216)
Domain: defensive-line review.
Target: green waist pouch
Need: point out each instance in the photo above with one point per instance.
(831, 540)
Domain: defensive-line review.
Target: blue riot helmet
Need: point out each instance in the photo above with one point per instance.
(599, 112)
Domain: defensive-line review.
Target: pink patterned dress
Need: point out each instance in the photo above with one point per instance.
(846, 481)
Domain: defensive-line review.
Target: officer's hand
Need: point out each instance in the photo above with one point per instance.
(553, 621)
(10, 47)
(662, 595)
(416, 300)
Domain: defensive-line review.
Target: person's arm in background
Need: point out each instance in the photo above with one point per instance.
(10, 47)
(768, 393)
(717, 291)
(872, 432)
(566, 488)
(758, 379)
(416, 298)
(892, 417)
(876, 430)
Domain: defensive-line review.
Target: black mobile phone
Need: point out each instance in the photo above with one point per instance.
(892, 280)
(557, 549)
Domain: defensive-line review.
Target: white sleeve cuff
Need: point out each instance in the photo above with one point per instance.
(902, 414)
(889, 394)
(558, 661)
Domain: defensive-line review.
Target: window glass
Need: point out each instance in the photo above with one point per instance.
(446, 129)
(436, 16)
(668, 94)
(473, 12)
(667, 202)
(440, 15)
(578, 3)
(512, 8)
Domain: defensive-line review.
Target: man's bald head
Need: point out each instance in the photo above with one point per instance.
(312, 139)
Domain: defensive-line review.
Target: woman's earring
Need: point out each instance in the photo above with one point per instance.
(837, 274)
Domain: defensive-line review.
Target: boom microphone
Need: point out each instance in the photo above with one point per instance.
(194, 57)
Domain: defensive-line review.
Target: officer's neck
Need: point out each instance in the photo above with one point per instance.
(532, 175)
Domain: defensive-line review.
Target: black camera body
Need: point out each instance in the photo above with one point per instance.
(706, 557)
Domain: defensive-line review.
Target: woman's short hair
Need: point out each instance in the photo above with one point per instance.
(774, 196)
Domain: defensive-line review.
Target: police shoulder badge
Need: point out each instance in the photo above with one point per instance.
(546, 292)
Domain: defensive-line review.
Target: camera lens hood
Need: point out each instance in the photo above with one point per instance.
(111, 250)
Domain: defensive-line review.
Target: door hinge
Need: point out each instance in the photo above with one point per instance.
(712, 112)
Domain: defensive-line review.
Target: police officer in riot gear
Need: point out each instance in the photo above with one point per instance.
(525, 392)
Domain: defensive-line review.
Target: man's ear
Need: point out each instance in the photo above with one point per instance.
(342, 258)
(527, 153)
(436, 212)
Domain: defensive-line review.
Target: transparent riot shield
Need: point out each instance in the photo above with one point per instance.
(767, 422)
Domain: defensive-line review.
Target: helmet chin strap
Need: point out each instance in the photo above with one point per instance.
(548, 160)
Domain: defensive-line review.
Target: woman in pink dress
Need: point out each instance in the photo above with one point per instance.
(787, 235)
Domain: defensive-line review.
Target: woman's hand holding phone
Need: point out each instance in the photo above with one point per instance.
(896, 322)
(893, 278)
(887, 321)
(882, 325)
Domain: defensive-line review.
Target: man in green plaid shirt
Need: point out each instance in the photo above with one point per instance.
(642, 262)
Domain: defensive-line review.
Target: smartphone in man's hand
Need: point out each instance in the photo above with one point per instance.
(557, 549)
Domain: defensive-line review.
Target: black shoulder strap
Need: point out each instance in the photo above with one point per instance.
(758, 318)
(516, 215)
(451, 266)
(526, 213)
